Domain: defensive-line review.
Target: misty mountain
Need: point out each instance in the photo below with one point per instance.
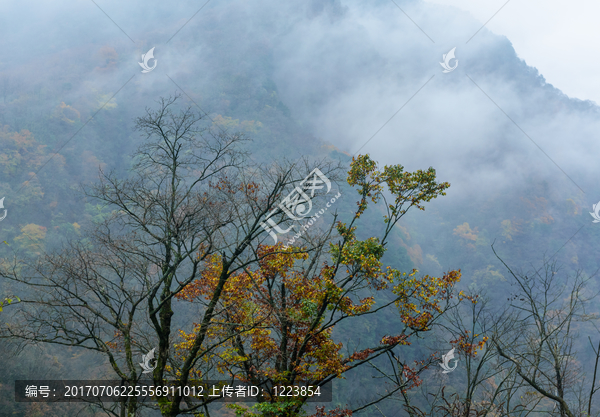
(330, 78)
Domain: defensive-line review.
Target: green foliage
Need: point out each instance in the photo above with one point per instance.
(96, 212)
(279, 409)
(9, 300)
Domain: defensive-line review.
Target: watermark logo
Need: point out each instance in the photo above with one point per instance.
(595, 214)
(145, 58)
(298, 204)
(2, 207)
(309, 223)
(446, 364)
(146, 362)
(446, 64)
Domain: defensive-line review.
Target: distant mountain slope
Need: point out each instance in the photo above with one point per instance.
(295, 76)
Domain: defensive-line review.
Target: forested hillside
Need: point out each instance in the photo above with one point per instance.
(458, 213)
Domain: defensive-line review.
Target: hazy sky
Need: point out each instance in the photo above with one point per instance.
(560, 39)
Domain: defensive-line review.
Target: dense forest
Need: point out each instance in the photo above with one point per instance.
(257, 208)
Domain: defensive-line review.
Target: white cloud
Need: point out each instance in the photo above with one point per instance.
(560, 39)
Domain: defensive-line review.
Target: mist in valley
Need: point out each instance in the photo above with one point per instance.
(328, 79)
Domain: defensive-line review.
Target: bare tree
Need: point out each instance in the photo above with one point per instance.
(533, 360)
(112, 292)
(548, 311)
(484, 383)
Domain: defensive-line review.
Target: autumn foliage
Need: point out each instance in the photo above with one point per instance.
(276, 319)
